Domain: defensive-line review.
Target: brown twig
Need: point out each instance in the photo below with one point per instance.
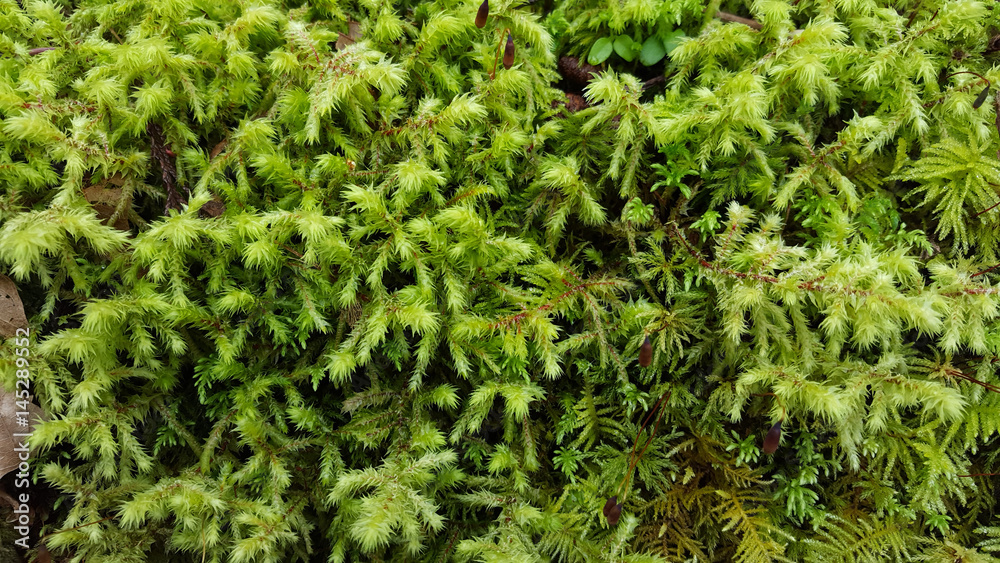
(726, 16)
(653, 81)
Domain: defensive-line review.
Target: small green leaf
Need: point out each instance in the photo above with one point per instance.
(672, 40)
(600, 51)
(623, 46)
(652, 51)
(638, 212)
(708, 223)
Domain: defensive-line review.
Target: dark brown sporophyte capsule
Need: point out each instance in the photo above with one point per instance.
(646, 353)
(508, 52)
(981, 98)
(772, 438)
(484, 12)
(612, 510)
(612, 501)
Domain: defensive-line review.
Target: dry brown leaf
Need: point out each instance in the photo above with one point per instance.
(351, 315)
(213, 208)
(105, 197)
(11, 309)
(353, 35)
(13, 435)
(218, 148)
(343, 41)
(102, 195)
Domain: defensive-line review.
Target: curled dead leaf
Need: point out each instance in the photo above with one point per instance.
(11, 309)
(17, 419)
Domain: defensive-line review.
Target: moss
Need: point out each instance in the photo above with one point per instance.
(386, 281)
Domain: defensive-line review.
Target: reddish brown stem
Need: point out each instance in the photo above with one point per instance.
(497, 57)
(981, 77)
(990, 208)
(634, 459)
(986, 271)
(971, 379)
